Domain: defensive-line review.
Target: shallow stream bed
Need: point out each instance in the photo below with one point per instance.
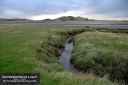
(65, 56)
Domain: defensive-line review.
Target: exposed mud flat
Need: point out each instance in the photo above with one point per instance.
(115, 24)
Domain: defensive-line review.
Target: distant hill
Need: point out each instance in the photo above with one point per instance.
(68, 18)
(71, 18)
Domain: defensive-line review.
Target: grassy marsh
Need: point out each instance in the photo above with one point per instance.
(102, 52)
(32, 48)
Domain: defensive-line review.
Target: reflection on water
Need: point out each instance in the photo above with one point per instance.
(65, 57)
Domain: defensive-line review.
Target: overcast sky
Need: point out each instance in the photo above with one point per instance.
(42, 9)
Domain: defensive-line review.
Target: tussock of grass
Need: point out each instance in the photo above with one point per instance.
(103, 53)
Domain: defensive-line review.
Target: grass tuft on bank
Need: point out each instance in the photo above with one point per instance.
(103, 53)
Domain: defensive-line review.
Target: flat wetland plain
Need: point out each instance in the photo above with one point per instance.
(28, 48)
(116, 24)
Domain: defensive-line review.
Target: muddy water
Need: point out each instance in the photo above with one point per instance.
(65, 57)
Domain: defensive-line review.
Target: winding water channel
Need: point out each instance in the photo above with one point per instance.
(65, 56)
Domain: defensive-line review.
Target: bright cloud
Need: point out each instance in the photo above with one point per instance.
(11, 13)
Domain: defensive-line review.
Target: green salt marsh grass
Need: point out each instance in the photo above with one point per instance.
(102, 52)
(18, 45)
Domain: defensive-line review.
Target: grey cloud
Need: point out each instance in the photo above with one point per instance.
(36, 7)
(39, 6)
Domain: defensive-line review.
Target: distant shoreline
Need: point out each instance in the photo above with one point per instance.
(99, 23)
